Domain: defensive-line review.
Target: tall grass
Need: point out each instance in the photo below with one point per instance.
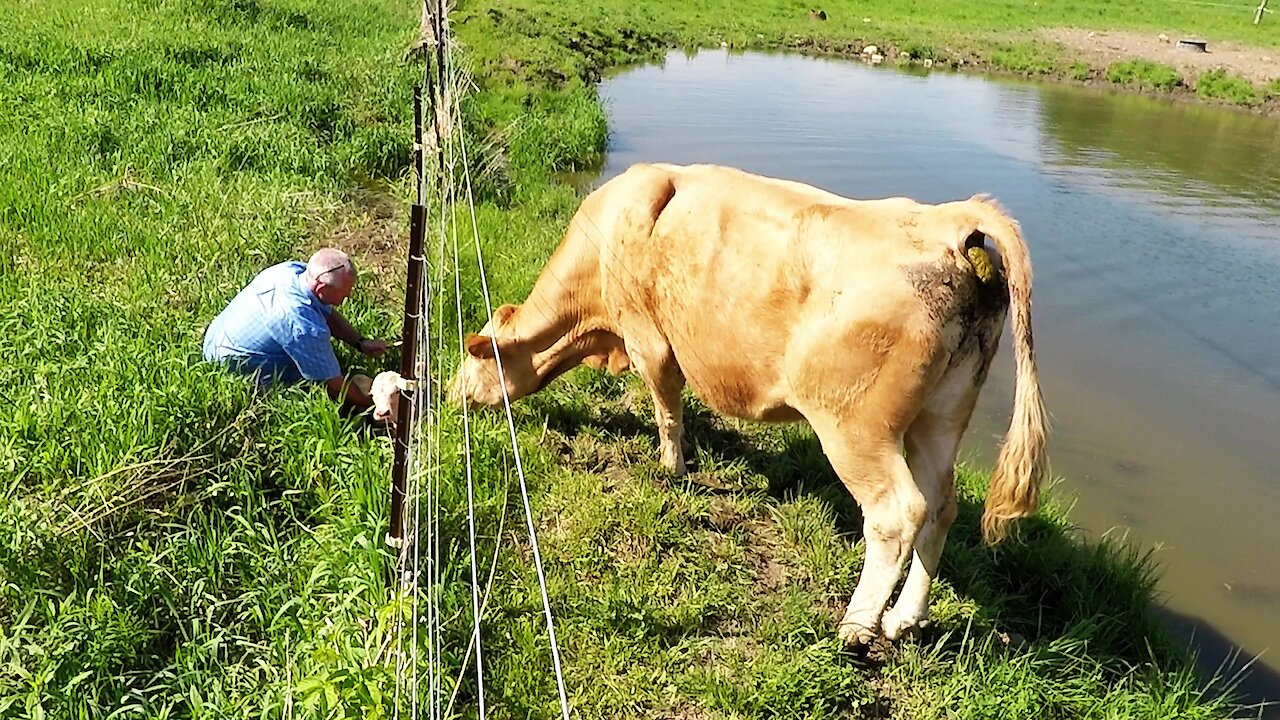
(173, 544)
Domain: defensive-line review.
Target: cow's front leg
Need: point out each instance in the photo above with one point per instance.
(657, 366)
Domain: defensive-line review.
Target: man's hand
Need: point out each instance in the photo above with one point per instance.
(373, 348)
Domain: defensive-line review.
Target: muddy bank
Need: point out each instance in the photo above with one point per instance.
(1082, 57)
(1257, 64)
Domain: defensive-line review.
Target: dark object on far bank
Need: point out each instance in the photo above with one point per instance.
(817, 15)
(1193, 44)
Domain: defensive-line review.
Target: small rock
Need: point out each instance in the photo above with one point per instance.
(724, 44)
(1163, 38)
(905, 57)
(877, 59)
(866, 19)
(870, 50)
(928, 62)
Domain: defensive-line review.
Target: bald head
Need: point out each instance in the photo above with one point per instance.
(327, 263)
(331, 275)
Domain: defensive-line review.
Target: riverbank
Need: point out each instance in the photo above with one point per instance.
(1231, 75)
(172, 544)
(1131, 45)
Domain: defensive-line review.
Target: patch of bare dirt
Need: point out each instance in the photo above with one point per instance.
(723, 515)
(610, 459)
(687, 712)
(632, 549)
(764, 546)
(371, 227)
(1259, 65)
(764, 551)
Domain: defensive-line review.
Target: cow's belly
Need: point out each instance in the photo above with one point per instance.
(747, 390)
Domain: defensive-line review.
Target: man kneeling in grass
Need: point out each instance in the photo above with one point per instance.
(278, 328)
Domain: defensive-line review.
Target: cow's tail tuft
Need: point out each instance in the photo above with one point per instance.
(1015, 481)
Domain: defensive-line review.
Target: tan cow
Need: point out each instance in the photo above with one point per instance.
(778, 301)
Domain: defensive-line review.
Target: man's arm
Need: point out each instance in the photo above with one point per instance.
(342, 330)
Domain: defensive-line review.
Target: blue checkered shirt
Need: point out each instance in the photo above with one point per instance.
(275, 329)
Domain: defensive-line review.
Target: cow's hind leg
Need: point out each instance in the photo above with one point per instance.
(893, 510)
(931, 444)
(656, 364)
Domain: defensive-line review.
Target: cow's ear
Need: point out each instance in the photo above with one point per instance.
(479, 346)
(619, 361)
(503, 314)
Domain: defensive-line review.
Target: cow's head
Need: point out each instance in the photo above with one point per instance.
(385, 392)
(477, 377)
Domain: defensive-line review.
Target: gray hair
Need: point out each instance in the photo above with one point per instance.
(329, 261)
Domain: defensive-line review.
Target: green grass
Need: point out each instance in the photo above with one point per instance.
(174, 545)
(1145, 75)
(1221, 85)
(1023, 59)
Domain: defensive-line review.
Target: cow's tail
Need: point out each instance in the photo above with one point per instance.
(1015, 481)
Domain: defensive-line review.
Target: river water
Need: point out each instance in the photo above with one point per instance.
(1154, 229)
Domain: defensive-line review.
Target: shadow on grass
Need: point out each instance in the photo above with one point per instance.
(1045, 585)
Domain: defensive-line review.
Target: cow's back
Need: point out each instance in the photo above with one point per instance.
(740, 273)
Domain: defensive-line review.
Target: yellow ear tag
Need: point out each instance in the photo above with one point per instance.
(981, 263)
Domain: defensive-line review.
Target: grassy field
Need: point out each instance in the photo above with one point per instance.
(173, 545)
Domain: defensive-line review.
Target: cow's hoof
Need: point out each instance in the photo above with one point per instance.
(855, 635)
(675, 466)
(895, 627)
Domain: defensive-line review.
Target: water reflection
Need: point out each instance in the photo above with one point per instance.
(1155, 231)
(1218, 157)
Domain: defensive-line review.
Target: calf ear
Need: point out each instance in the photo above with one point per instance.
(479, 346)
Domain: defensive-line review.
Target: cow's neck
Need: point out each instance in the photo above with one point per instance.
(563, 312)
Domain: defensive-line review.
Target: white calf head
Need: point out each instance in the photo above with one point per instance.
(386, 396)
